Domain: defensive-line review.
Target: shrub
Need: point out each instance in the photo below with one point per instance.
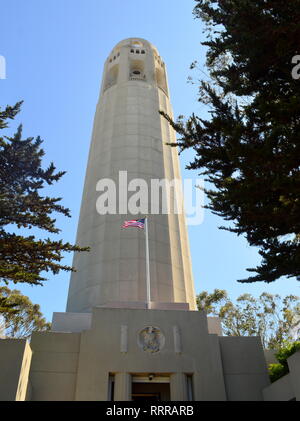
(276, 371)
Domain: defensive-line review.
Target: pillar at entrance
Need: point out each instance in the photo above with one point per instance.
(122, 387)
(179, 387)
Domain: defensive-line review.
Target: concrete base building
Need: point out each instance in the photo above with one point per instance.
(127, 335)
(133, 354)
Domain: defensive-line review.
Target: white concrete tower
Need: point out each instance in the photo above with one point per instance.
(130, 135)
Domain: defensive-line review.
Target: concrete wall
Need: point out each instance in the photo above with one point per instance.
(214, 325)
(281, 390)
(245, 370)
(294, 367)
(54, 366)
(195, 354)
(288, 387)
(71, 322)
(15, 359)
(77, 366)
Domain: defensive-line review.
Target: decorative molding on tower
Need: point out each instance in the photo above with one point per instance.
(124, 339)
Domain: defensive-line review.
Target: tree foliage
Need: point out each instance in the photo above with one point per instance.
(23, 316)
(249, 148)
(275, 319)
(276, 371)
(24, 258)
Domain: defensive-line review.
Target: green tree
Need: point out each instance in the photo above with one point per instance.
(249, 148)
(24, 258)
(275, 319)
(23, 318)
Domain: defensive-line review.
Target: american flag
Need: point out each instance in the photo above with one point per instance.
(139, 223)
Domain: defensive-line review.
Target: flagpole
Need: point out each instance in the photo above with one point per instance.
(147, 264)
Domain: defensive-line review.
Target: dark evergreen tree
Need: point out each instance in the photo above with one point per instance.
(24, 258)
(249, 149)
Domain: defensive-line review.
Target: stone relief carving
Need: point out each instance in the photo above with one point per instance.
(151, 339)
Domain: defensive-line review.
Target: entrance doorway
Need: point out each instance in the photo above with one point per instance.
(150, 388)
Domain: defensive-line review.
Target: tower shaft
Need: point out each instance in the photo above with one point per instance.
(130, 135)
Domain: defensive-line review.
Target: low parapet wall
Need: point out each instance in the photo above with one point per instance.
(15, 360)
(288, 387)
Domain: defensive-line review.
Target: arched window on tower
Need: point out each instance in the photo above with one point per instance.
(111, 76)
(137, 70)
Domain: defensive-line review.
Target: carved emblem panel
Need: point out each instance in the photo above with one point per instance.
(151, 339)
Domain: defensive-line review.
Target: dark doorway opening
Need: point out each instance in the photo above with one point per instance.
(151, 391)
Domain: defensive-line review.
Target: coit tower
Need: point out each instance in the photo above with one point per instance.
(130, 138)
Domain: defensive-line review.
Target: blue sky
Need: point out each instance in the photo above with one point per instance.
(55, 51)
